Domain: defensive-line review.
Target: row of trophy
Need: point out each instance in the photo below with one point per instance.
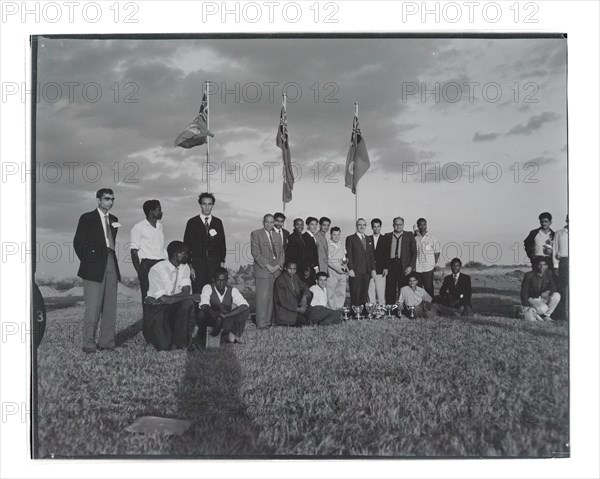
(377, 311)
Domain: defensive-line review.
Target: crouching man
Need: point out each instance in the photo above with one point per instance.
(317, 311)
(223, 308)
(538, 291)
(169, 304)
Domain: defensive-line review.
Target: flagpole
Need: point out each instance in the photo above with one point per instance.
(356, 188)
(207, 139)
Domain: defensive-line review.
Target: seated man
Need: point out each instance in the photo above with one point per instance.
(415, 298)
(538, 291)
(289, 294)
(223, 308)
(169, 304)
(318, 312)
(456, 290)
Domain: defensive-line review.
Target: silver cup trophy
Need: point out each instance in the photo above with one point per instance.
(357, 310)
(411, 312)
(346, 310)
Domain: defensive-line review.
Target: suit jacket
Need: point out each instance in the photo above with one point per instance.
(288, 298)
(382, 250)
(205, 251)
(408, 250)
(360, 259)
(311, 257)
(532, 286)
(296, 250)
(322, 250)
(450, 292)
(530, 242)
(90, 246)
(261, 252)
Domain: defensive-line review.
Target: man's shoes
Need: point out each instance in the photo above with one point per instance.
(216, 331)
(194, 346)
(238, 341)
(106, 349)
(90, 350)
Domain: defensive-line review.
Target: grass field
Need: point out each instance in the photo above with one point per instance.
(489, 386)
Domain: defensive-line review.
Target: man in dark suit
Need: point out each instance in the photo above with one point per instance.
(295, 250)
(382, 248)
(361, 263)
(456, 289)
(205, 238)
(94, 244)
(280, 230)
(401, 259)
(539, 241)
(311, 258)
(290, 298)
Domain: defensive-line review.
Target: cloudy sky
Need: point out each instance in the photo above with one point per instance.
(480, 163)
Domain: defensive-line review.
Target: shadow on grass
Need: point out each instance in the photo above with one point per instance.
(128, 333)
(210, 399)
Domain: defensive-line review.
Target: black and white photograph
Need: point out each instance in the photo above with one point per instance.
(298, 245)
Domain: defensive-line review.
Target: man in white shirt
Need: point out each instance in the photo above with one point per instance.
(561, 267)
(170, 303)
(415, 298)
(224, 308)
(317, 311)
(147, 243)
(428, 254)
(539, 241)
(377, 282)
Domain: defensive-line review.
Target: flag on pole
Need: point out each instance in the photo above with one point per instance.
(197, 131)
(282, 142)
(357, 161)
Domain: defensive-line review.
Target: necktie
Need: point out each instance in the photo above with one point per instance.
(109, 236)
(364, 241)
(271, 244)
(206, 225)
(175, 283)
(397, 246)
(455, 279)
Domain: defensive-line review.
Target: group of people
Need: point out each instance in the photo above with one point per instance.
(300, 277)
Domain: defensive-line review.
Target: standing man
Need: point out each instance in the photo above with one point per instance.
(311, 260)
(170, 302)
(456, 289)
(267, 252)
(538, 291)
(280, 230)
(336, 283)
(361, 263)
(377, 283)
(295, 250)
(147, 243)
(322, 246)
(539, 241)
(561, 266)
(428, 254)
(94, 244)
(205, 237)
(401, 258)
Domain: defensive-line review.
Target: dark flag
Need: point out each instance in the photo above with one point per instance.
(357, 161)
(282, 142)
(197, 131)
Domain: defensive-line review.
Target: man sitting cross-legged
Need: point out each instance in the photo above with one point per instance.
(456, 290)
(169, 304)
(538, 291)
(223, 308)
(317, 311)
(289, 294)
(416, 298)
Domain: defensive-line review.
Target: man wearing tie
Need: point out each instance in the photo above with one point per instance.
(280, 230)
(295, 250)
(322, 244)
(205, 238)
(377, 283)
(266, 249)
(456, 290)
(401, 259)
(361, 263)
(311, 258)
(94, 244)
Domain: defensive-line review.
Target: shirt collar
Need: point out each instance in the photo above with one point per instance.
(102, 215)
(394, 233)
(311, 234)
(202, 217)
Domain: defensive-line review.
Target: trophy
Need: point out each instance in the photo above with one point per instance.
(389, 308)
(357, 310)
(411, 312)
(346, 310)
(370, 307)
(344, 263)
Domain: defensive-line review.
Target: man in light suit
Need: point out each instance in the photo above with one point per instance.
(94, 244)
(266, 249)
(322, 243)
(401, 259)
(280, 230)
(205, 238)
(361, 263)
